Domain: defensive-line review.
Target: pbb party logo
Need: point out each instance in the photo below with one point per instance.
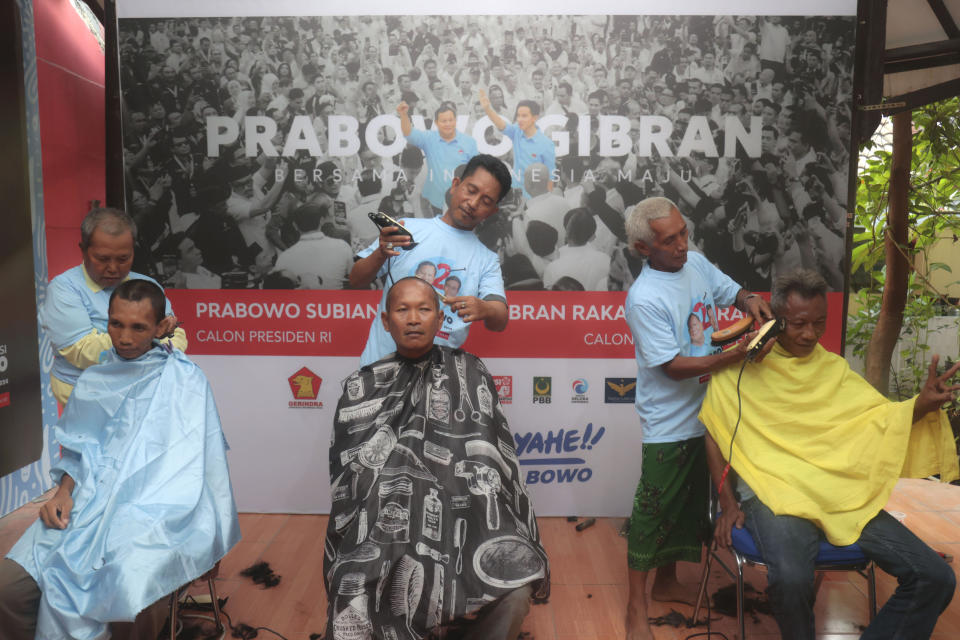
(305, 387)
(542, 389)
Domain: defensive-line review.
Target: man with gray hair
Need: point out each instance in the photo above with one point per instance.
(816, 454)
(669, 521)
(74, 313)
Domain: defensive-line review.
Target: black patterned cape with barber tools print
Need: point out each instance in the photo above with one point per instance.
(430, 519)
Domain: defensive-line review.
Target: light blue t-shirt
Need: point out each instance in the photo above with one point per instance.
(663, 309)
(442, 253)
(442, 158)
(527, 151)
(71, 310)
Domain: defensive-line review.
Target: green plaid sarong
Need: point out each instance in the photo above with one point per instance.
(669, 520)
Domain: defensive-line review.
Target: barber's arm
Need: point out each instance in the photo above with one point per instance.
(366, 269)
(55, 513)
(753, 304)
(68, 324)
(683, 367)
(490, 304)
(730, 509)
(471, 309)
(86, 351)
(935, 391)
(173, 333)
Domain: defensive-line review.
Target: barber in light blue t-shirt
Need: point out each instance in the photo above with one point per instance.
(671, 311)
(448, 255)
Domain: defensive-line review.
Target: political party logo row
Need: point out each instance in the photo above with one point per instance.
(305, 387)
(615, 390)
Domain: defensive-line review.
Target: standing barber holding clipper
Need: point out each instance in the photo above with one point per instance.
(448, 243)
(668, 309)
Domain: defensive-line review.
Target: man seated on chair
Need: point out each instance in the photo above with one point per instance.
(431, 530)
(144, 503)
(817, 454)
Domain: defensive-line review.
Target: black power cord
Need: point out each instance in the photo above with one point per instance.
(710, 633)
(240, 630)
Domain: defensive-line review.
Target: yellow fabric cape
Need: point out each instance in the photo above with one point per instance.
(816, 441)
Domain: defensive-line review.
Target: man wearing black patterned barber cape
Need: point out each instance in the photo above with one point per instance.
(431, 531)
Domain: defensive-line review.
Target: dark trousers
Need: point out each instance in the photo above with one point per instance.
(20, 600)
(789, 546)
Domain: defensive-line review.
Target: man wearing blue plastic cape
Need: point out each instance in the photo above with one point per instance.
(144, 503)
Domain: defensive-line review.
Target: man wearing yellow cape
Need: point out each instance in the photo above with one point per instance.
(817, 453)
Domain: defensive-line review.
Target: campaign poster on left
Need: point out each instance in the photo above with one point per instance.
(21, 422)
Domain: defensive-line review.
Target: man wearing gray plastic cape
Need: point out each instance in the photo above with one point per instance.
(431, 531)
(144, 503)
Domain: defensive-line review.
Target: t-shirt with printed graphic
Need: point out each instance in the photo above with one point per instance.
(674, 314)
(446, 257)
(538, 148)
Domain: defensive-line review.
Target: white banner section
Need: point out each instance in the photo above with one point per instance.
(574, 425)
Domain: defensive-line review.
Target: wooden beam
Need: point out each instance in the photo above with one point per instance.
(868, 69)
(922, 63)
(922, 56)
(925, 50)
(867, 89)
(916, 99)
(944, 17)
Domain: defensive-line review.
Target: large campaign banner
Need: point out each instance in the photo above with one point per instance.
(258, 138)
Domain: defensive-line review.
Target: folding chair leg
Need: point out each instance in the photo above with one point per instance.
(215, 603)
(872, 591)
(704, 577)
(740, 616)
(174, 605)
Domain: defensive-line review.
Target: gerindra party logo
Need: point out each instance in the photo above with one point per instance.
(305, 387)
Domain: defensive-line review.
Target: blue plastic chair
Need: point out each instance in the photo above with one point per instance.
(745, 552)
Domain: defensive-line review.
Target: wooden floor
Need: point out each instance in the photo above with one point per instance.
(589, 575)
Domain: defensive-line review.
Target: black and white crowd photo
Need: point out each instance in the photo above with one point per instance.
(256, 147)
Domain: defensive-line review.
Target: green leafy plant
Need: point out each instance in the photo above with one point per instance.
(934, 199)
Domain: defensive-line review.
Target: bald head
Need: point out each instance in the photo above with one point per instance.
(412, 281)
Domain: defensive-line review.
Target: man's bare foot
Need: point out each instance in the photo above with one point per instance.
(673, 592)
(638, 627)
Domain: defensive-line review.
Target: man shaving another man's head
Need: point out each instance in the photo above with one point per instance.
(816, 454)
(74, 313)
(144, 416)
(442, 247)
